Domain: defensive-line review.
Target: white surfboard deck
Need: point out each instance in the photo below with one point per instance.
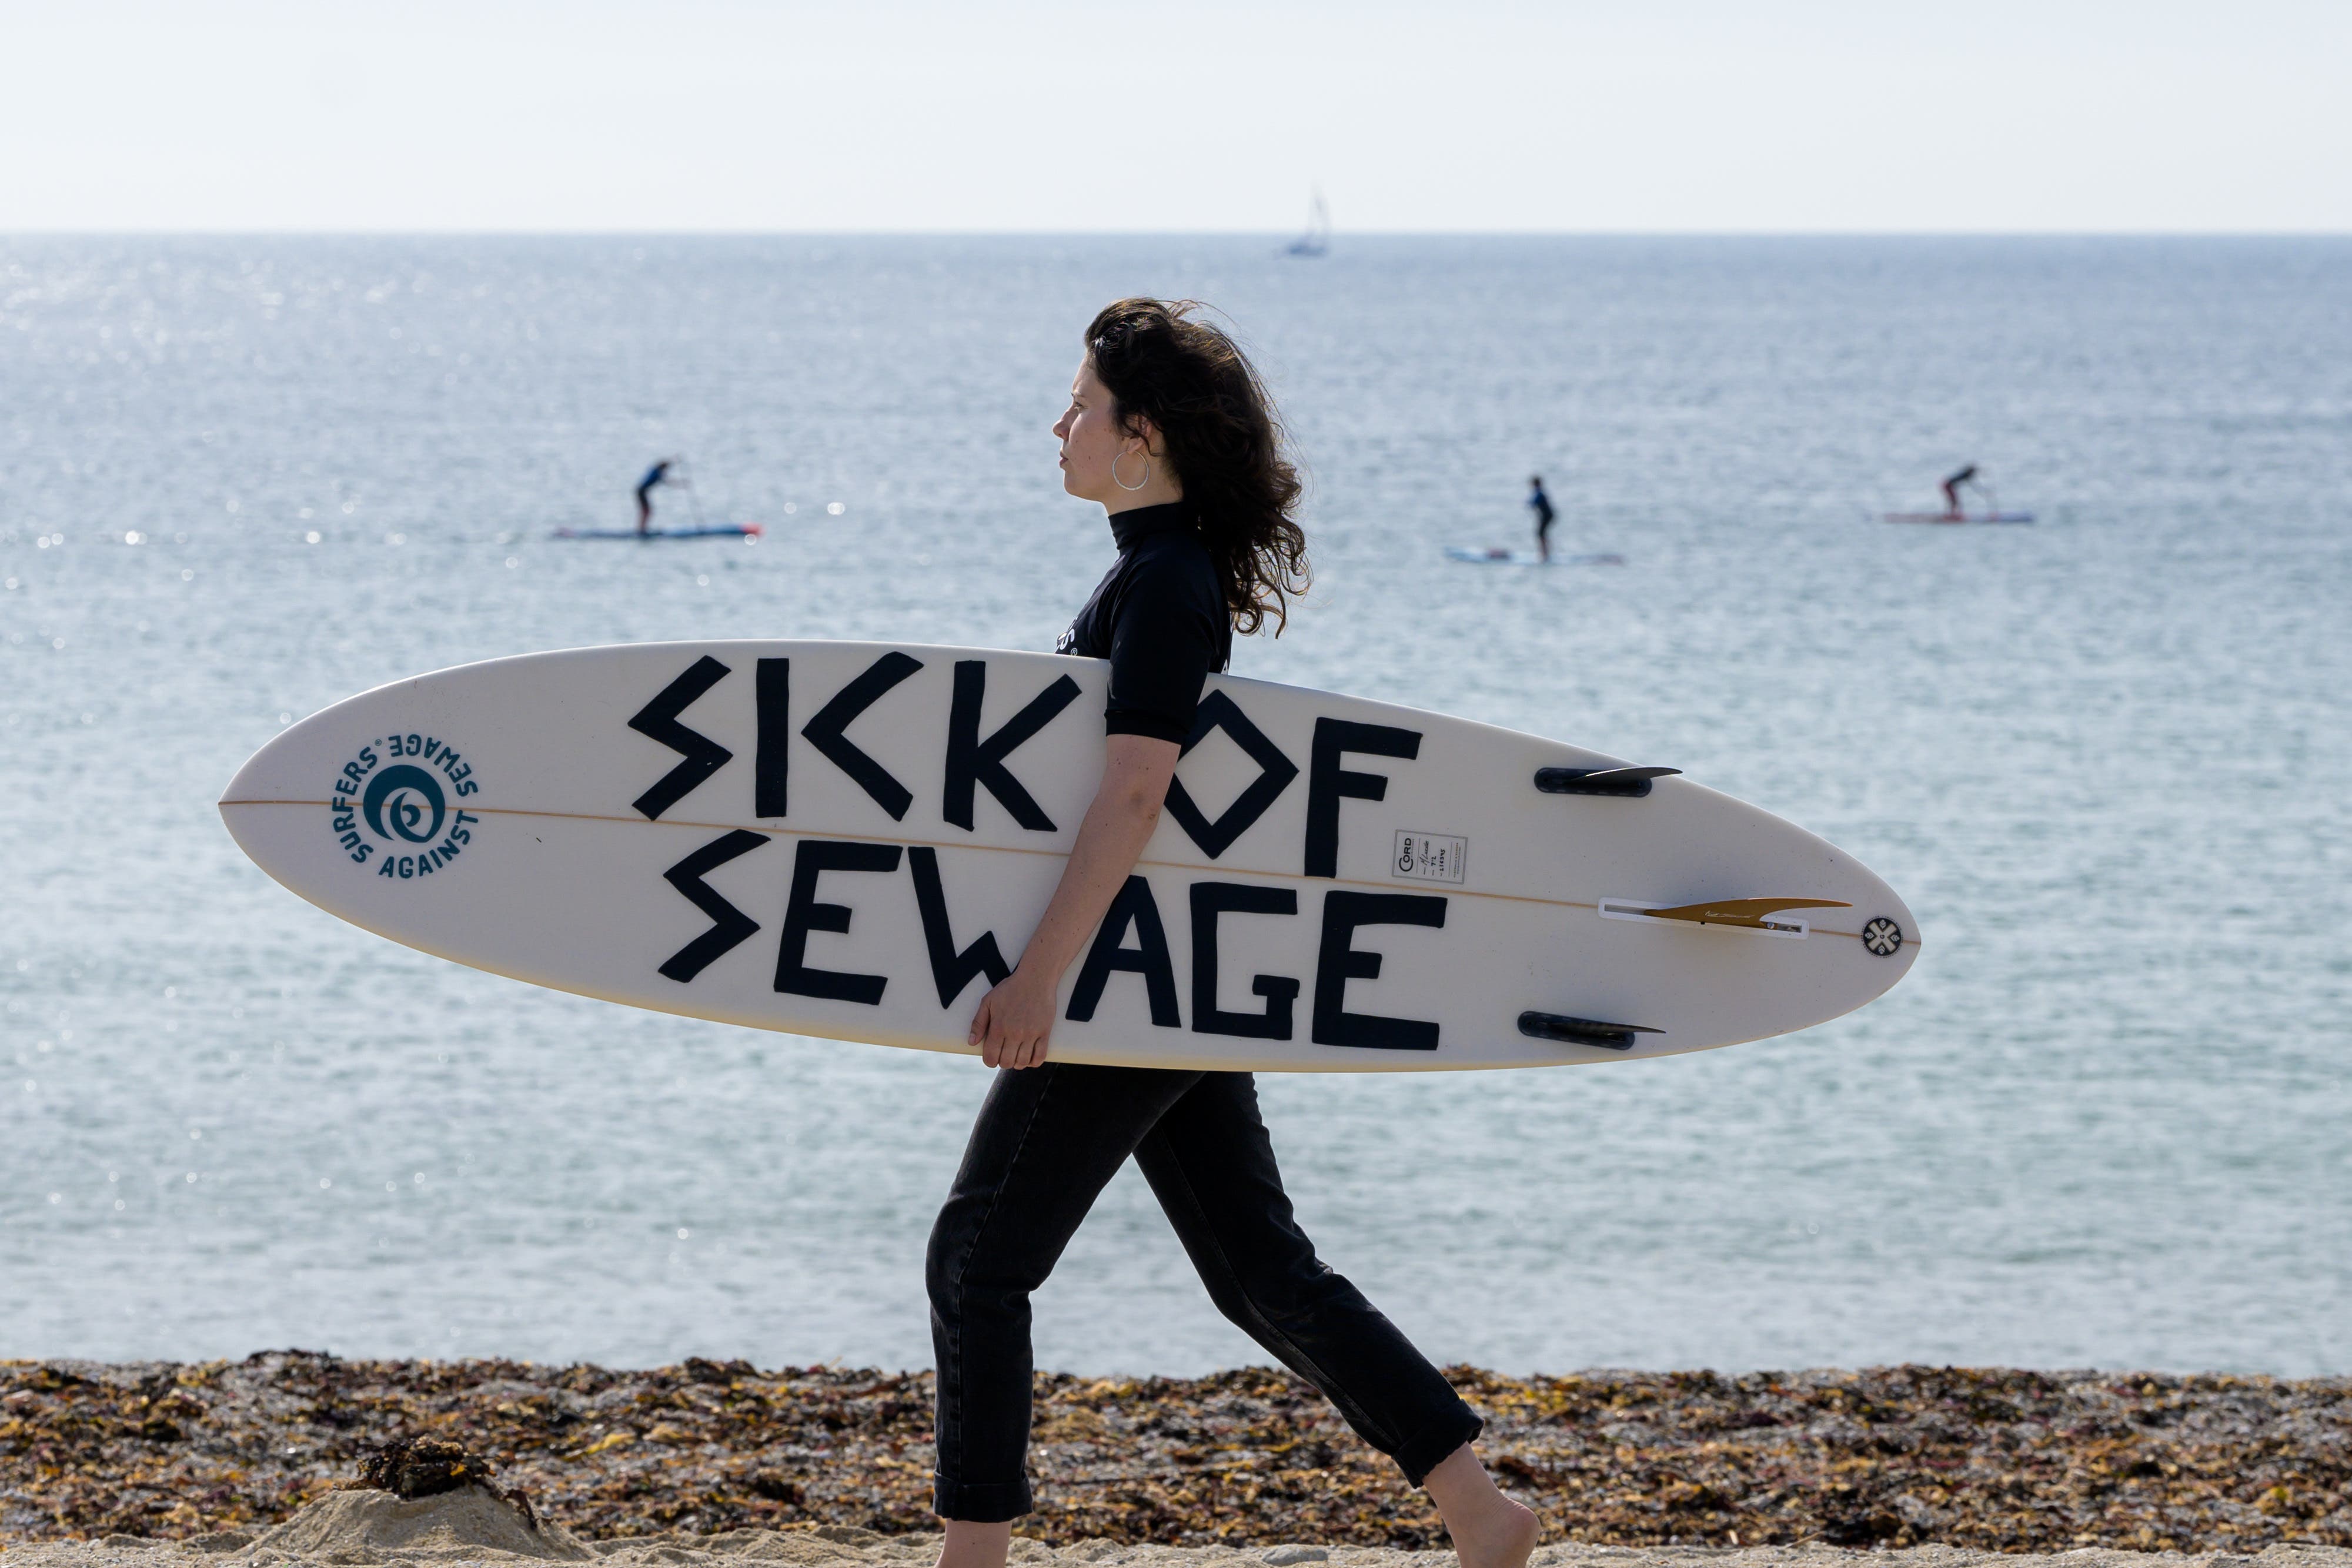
(846, 840)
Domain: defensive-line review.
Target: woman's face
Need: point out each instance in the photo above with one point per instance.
(1092, 440)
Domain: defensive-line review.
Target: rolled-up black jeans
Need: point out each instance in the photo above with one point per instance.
(1048, 1139)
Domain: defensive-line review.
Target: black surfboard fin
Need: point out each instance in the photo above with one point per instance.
(1582, 1031)
(1629, 782)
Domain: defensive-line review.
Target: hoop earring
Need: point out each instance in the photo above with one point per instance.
(1122, 484)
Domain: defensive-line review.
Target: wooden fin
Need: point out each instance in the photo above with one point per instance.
(1748, 912)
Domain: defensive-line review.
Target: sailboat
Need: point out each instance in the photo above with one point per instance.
(1318, 237)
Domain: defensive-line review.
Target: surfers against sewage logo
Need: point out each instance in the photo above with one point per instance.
(395, 804)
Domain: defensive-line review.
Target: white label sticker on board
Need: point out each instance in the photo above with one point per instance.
(1430, 857)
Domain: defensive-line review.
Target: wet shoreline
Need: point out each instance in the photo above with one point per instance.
(1988, 1460)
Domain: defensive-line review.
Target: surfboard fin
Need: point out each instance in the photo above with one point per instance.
(1749, 911)
(1632, 781)
(1582, 1031)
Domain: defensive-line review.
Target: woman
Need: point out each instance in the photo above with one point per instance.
(1169, 429)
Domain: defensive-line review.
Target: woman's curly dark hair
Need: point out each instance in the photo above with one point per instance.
(1223, 439)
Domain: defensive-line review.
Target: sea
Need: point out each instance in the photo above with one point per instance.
(2106, 757)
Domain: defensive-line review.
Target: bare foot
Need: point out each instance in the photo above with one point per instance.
(1504, 1541)
(1489, 1530)
(970, 1545)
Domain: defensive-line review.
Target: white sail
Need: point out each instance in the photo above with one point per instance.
(1318, 237)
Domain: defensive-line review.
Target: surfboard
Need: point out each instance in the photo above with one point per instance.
(853, 840)
(1963, 518)
(1486, 556)
(727, 530)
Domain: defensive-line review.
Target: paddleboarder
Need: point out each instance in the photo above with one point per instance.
(655, 476)
(1170, 430)
(1952, 490)
(1541, 505)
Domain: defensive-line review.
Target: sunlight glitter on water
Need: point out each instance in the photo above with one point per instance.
(2101, 1125)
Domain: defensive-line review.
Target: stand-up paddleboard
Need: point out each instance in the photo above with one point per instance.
(1948, 518)
(853, 839)
(716, 530)
(1497, 556)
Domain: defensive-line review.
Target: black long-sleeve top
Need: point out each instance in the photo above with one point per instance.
(1158, 616)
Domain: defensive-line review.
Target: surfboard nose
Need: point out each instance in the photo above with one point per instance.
(253, 778)
(283, 768)
(262, 797)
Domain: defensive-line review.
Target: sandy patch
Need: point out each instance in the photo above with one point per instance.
(377, 1530)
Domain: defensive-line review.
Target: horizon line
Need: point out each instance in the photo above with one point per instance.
(1265, 235)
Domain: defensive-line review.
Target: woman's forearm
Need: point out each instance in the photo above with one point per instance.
(1119, 822)
(1015, 1019)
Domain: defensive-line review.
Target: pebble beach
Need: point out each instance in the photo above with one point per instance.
(101, 1459)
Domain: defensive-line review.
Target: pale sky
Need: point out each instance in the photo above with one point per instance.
(899, 115)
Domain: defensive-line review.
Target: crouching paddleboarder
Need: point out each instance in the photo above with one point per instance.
(1952, 490)
(655, 476)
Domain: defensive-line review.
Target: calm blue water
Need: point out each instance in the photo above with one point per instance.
(2104, 757)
